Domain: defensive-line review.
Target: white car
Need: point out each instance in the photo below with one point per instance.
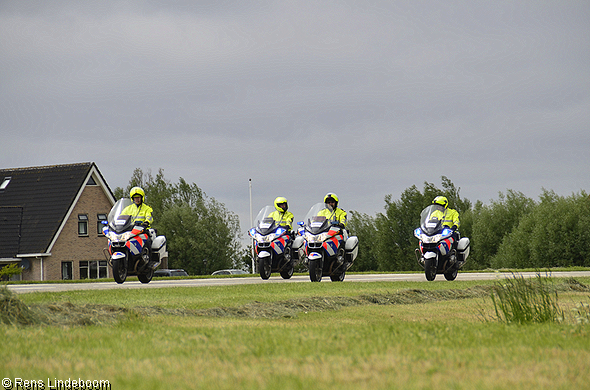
(170, 272)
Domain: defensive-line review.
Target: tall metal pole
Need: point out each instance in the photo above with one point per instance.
(250, 185)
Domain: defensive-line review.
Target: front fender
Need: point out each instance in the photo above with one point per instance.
(314, 256)
(118, 256)
(430, 256)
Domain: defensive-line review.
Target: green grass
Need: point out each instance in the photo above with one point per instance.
(335, 339)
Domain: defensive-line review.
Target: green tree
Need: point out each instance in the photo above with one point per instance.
(553, 234)
(363, 226)
(396, 243)
(494, 222)
(204, 235)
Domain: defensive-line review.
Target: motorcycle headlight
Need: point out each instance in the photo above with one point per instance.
(436, 238)
(120, 237)
(417, 232)
(317, 238)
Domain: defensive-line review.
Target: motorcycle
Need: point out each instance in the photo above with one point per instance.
(436, 254)
(128, 250)
(272, 245)
(324, 246)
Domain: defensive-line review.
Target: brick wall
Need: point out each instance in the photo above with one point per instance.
(72, 247)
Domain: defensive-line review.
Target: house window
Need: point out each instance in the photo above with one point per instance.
(99, 225)
(91, 181)
(66, 270)
(82, 224)
(5, 182)
(93, 269)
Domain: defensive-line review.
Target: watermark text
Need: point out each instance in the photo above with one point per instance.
(55, 384)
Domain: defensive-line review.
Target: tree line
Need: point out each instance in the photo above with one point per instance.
(513, 231)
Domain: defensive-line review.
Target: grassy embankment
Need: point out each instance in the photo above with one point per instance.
(298, 336)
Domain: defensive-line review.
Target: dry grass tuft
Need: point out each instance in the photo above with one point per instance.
(14, 312)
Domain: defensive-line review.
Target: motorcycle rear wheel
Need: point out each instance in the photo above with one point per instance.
(119, 271)
(287, 272)
(264, 266)
(430, 269)
(338, 277)
(451, 274)
(315, 270)
(146, 277)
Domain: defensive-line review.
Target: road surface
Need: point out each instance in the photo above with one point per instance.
(161, 283)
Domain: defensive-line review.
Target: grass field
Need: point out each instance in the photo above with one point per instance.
(297, 336)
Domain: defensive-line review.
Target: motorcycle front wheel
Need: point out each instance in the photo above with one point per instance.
(430, 269)
(315, 270)
(119, 271)
(264, 266)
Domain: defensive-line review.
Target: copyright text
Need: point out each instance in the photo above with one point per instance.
(54, 384)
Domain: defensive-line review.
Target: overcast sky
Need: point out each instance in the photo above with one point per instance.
(362, 98)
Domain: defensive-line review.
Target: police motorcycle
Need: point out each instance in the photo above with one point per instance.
(272, 245)
(324, 245)
(128, 252)
(435, 254)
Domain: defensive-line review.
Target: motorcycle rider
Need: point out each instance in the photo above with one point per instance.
(332, 212)
(284, 218)
(449, 218)
(140, 213)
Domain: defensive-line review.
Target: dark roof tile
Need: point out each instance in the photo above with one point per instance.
(45, 195)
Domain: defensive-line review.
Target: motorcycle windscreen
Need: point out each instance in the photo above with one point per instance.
(316, 220)
(431, 218)
(264, 223)
(117, 221)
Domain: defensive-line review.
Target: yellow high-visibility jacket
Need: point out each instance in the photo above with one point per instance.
(449, 217)
(337, 215)
(284, 219)
(141, 213)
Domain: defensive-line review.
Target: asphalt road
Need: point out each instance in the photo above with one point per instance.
(56, 287)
